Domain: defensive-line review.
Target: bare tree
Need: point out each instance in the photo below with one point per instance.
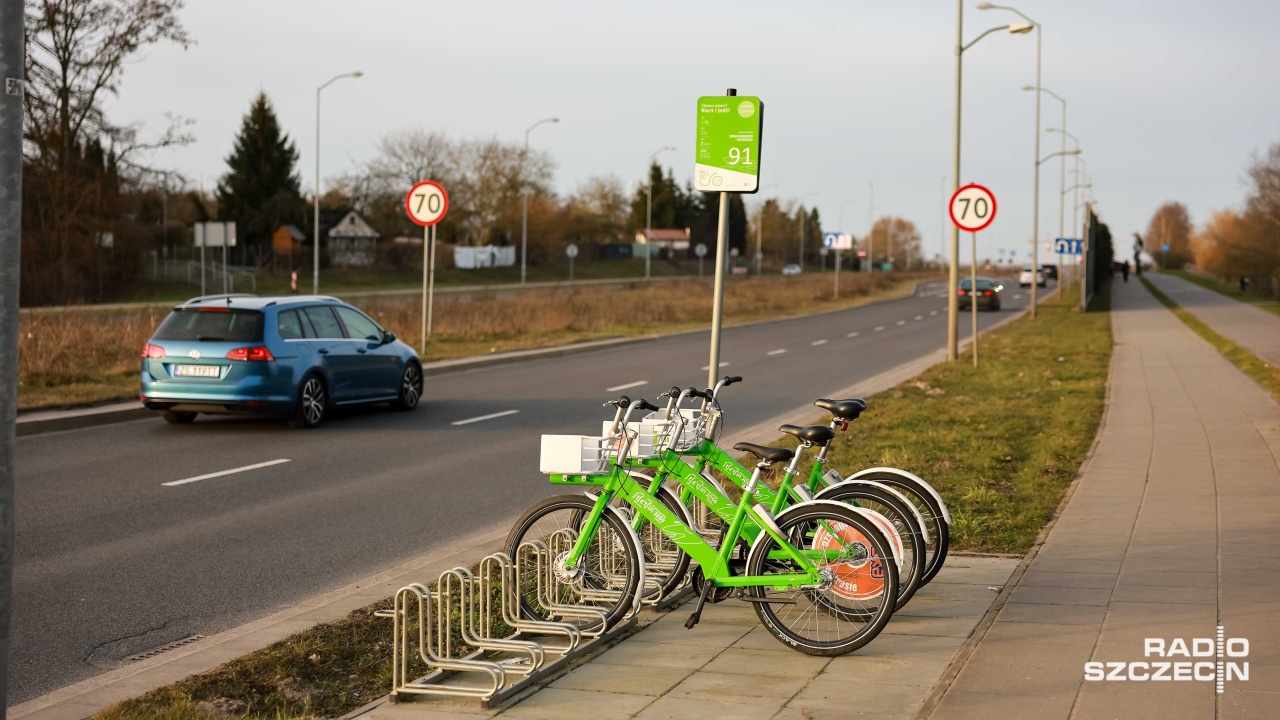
(1170, 225)
(76, 54)
(894, 237)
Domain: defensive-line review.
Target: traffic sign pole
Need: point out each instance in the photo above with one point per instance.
(973, 292)
(972, 208)
(426, 204)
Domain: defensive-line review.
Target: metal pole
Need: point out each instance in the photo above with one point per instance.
(524, 224)
(759, 229)
(426, 268)
(871, 224)
(953, 275)
(973, 294)
(1035, 214)
(431, 280)
(11, 70)
(202, 290)
(802, 214)
(717, 303)
(315, 215)
(837, 293)
(225, 279)
(1084, 270)
(1062, 190)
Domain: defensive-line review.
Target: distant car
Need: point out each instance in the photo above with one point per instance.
(987, 296)
(791, 269)
(1050, 271)
(1025, 278)
(295, 356)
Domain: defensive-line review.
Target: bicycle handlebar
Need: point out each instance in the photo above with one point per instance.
(725, 381)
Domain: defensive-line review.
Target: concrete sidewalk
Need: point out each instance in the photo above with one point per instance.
(730, 667)
(1247, 326)
(1172, 532)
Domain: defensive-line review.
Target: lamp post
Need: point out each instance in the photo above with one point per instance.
(648, 214)
(524, 201)
(1062, 176)
(1035, 213)
(759, 231)
(953, 307)
(315, 249)
(802, 219)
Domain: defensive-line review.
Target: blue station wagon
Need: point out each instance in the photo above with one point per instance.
(295, 356)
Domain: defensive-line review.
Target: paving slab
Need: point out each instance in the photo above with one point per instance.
(1243, 324)
(1171, 531)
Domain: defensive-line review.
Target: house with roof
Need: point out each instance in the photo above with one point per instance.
(661, 243)
(350, 241)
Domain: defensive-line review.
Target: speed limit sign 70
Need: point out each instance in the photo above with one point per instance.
(973, 207)
(426, 203)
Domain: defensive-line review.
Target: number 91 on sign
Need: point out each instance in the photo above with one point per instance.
(973, 207)
(427, 203)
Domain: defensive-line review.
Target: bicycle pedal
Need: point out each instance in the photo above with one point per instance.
(707, 589)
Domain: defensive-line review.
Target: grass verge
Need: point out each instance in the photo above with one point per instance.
(1000, 442)
(1264, 373)
(1268, 304)
(79, 357)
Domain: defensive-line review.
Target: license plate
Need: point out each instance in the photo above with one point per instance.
(202, 371)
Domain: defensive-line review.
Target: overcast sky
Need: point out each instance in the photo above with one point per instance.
(1169, 98)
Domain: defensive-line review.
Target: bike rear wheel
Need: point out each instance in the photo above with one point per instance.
(904, 523)
(930, 510)
(607, 576)
(854, 603)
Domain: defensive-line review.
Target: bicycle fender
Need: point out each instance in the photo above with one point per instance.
(924, 528)
(890, 532)
(909, 477)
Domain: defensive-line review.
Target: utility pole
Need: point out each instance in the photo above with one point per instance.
(11, 74)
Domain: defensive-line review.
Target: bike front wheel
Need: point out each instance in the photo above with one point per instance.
(860, 579)
(603, 585)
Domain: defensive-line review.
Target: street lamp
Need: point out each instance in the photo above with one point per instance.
(524, 195)
(802, 218)
(953, 315)
(759, 231)
(843, 205)
(1035, 214)
(648, 215)
(1061, 182)
(315, 250)
(1076, 141)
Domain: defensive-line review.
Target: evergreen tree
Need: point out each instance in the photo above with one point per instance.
(261, 188)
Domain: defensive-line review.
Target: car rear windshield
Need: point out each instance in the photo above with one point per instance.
(208, 325)
(982, 284)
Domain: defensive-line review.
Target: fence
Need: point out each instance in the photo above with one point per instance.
(212, 276)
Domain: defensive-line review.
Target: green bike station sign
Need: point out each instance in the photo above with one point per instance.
(728, 146)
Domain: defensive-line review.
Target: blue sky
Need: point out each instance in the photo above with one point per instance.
(1169, 99)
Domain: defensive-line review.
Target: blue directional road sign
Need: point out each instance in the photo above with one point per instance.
(837, 241)
(1068, 246)
(830, 239)
(1164, 248)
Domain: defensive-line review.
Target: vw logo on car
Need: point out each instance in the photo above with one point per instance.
(195, 354)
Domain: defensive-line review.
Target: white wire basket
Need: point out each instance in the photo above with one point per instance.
(576, 454)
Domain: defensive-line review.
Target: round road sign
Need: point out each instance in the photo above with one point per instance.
(427, 203)
(972, 208)
(571, 250)
(699, 249)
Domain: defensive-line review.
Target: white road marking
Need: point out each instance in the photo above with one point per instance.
(919, 317)
(1017, 297)
(902, 322)
(628, 386)
(708, 367)
(933, 312)
(490, 416)
(879, 328)
(852, 334)
(233, 471)
(818, 342)
(779, 351)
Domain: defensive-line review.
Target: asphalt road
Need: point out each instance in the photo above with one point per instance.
(111, 561)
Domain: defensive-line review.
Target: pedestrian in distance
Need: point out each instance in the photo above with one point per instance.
(1124, 270)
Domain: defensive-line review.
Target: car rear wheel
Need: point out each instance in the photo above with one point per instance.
(178, 418)
(313, 403)
(410, 388)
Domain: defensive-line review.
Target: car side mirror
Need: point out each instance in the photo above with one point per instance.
(388, 337)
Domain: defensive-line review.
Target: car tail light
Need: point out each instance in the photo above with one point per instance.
(959, 292)
(214, 308)
(152, 351)
(251, 354)
(989, 292)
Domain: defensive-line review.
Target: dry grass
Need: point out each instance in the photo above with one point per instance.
(79, 357)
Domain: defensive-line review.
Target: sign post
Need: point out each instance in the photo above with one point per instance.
(972, 208)
(701, 251)
(571, 252)
(727, 159)
(1164, 248)
(426, 205)
(837, 241)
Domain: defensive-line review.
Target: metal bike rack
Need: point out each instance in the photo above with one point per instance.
(502, 653)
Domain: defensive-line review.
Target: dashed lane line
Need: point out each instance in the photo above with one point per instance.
(221, 473)
(482, 418)
(627, 386)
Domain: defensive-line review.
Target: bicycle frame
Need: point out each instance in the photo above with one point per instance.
(714, 563)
